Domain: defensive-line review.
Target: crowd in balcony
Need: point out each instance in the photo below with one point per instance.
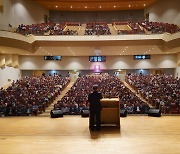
(30, 95)
(47, 29)
(159, 27)
(162, 91)
(97, 28)
(76, 98)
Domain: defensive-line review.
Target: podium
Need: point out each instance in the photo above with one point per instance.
(110, 113)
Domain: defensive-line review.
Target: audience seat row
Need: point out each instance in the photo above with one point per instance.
(162, 91)
(97, 28)
(76, 98)
(30, 95)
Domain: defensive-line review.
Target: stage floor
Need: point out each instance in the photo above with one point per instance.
(70, 135)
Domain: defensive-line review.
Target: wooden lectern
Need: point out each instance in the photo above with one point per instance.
(110, 113)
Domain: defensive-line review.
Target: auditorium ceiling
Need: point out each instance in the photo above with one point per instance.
(94, 5)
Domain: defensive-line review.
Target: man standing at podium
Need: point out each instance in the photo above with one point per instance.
(95, 108)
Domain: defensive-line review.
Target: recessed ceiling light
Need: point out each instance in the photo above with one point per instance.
(144, 5)
(71, 7)
(114, 6)
(85, 7)
(99, 6)
(56, 6)
(129, 5)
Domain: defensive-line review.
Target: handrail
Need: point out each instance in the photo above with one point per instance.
(32, 38)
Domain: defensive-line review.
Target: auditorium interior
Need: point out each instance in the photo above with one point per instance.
(52, 53)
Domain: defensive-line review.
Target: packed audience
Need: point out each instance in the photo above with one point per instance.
(30, 95)
(162, 91)
(159, 27)
(47, 29)
(97, 28)
(41, 29)
(76, 98)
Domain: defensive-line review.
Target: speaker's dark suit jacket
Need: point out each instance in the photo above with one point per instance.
(94, 100)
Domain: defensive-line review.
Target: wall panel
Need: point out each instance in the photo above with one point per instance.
(9, 61)
(2, 61)
(15, 61)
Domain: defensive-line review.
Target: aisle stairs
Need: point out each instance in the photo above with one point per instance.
(82, 30)
(112, 29)
(47, 111)
(138, 95)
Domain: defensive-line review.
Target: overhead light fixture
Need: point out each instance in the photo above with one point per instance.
(129, 5)
(71, 7)
(85, 7)
(100, 7)
(114, 6)
(144, 5)
(56, 6)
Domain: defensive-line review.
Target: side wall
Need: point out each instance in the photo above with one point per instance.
(112, 62)
(8, 74)
(165, 11)
(17, 12)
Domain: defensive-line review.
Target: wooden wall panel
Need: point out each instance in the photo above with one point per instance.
(1, 5)
(178, 59)
(15, 61)
(8, 59)
(2, 61)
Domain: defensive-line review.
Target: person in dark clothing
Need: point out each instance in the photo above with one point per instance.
(95, 108)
